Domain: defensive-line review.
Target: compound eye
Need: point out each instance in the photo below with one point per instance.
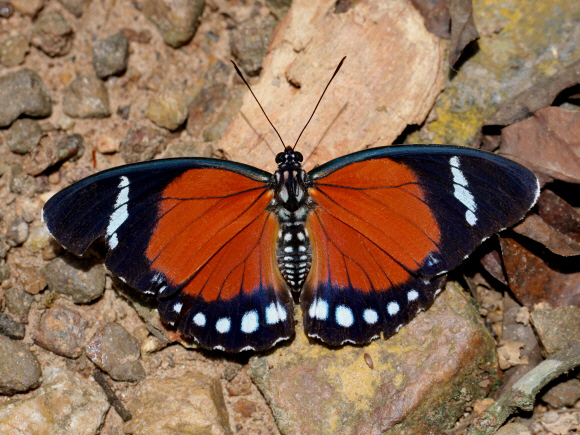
(279, 158)
(298, 156)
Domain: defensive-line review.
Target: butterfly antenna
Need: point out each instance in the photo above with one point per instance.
(319, 100)
(255, 98)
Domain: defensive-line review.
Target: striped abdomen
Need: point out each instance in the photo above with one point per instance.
(294, 254)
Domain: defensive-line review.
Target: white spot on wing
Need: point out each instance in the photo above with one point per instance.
(177, 307)
(272, 316)
(318, 309)
(412, 295)
(344, 316)
(461, 192)
(392, 308)
(223, 325)
(370, 316)
(199, 319)
(250, 322)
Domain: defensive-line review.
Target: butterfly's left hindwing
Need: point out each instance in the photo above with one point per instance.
(388, 222)
(195, 233)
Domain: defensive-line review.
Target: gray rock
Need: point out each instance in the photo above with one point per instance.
(71, 147)
(110, 55)
(53, 34)
(82, 281)
(18, 302)
(61, 331)
(6, 9)
(3, 246)
(21, 183)
(249, 43)
(4, 271)
(75, 7)
(13, 50)
(86, 97)
(565, 393)
(116, 352)
(167, 109)
(23, 136)
(279, 8)
(142, 143)
(65, 404)
(19, 368)
(17, 232)
(557, 328)
(23, 93)
(10, 328)
(177, 20)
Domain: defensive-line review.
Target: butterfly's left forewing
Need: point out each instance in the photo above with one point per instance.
(195, 233)
(388, 222)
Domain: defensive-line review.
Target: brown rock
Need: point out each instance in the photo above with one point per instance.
(557, 328)
(192, 403)
(19, 368)
(23, 93)
(249, 43)
(13, 51)
(442, 353)
(86, 97)
(53, 34)
(81, 280)
(61, 331)
(142, 143)
(167, 109)
(565, 393)
(28, 7)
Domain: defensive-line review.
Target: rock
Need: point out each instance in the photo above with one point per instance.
(65, 404)
(116, 352)
(107, 145)
(245, 407)
(556, 328)
(3, 246)
(23, 136)
(192, 404)
(249, 43)
(61, 331)
(28, 7)
(223, 120)
(19, 369)
(82, 281)
(279, 7)
(18, 302)
(38, 238)
(6, 9)
(17, 232)
(564, 394)
(71, 147)
(444, 352)
(167, 109)
(204, 107)
(142, 143)
(176, 20)
(514, 429)
(22, 183)
(13, 50)
(23, 93)
(86, 97)
(124, 111)
(110, 55)
(10, 328)
(32, 279)
(4, 271)
(75, 7)
(53, 34)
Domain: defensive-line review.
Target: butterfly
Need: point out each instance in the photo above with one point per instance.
(365, 238)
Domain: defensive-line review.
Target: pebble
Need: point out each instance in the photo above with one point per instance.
(53, 34)
(6, 9)
(61, 331)
(110, 55)
(564, 394)
(23, 93)
(17, 232)
(82, 281)
(116, 352)
(64, 404)
(75, 7)
(13, 50)
(167, 109)
(10, 328)
(177, 21)
(249, 43)
(107, 145)
(3, 246)
(19, 368)
(142, 143)
(18, 302)
(22, 183)
(224, 118)
(514, 429)
(557, 327)
(124, 111)
(23, 135)
(71, 147)
(86, 97)
(279, 8)
(32, 279)
(28, 7)
(38, 238)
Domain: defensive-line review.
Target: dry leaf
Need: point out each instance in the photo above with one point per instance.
(463, 29)
(436, 16)
(523, 316)
(492, 263)
(537, 229)
(559, 214)
(509, 353)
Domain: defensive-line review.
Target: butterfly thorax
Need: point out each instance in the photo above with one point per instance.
(291, 204)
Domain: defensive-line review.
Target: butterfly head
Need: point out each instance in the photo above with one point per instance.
(289, 159)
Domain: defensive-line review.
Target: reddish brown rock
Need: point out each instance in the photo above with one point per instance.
(61, 331)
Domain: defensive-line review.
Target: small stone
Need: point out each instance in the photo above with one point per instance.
(23, 93)
(3, 246)
(110, 55)
(6, 9)
(202, 110)
(53, 34)
(107, 145)
(19, 369)
(116, 352)
(176, 20)
(279, 8)
(223, 120)
(13, 50)
(10, 328)
(75, 7)
(245, 407)
(61, 331)
(22, 183)
(167, 109)
(86, 97)
(564, 394)
(249, 43)
(141, 37)
(63, 122)
(142, 143)
(38, 238)
(82, 281)
(557, 327)
(23, 136)
(17, 232)
(124, 111)
(514, 429)
(192, 403)
(151, 345)
(18, 302)
(70, 147)
(32, 279)
(28, 7)
(64, 404)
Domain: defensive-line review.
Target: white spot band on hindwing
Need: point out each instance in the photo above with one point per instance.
(120, 213)
(461, 193)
